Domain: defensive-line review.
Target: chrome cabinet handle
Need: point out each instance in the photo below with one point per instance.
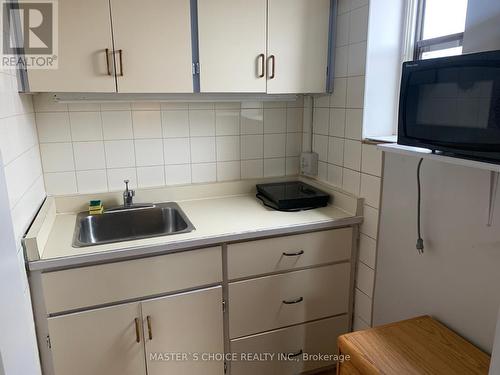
(296, 354)
(150, 329)
(107, 62)
(262, 65)
(137, 330)
(296, 254)
(272, 59)
(120, 55)
(293, 301)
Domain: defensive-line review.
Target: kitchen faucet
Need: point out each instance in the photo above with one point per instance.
(128, 195)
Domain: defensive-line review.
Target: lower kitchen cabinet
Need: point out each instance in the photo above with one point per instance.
(290, 351)
(105, 341)
(125, 339)
(189, 323)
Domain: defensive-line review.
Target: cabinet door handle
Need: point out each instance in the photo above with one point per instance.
(150, 329)
(262, 65)
(296, 354)
(120, 55)
(108, 69)
(296, 254)
(271, 59)
(293, 301)
(137, 330)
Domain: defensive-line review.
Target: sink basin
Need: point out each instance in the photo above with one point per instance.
(133, 223)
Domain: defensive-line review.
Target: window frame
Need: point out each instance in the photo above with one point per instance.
(420, 45)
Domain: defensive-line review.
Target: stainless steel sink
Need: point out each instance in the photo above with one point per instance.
(130, 223)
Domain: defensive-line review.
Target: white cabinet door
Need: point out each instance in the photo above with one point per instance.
(106, 341)
(154, 37)
(232, 45)
(297, 46)
(84, 35)
(184, 323)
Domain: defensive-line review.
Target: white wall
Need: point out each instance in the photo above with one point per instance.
(93, 147)
(481, 28)
(21, 193)
(495, 355)
(456, 279)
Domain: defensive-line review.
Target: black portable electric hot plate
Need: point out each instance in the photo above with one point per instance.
(291, 196)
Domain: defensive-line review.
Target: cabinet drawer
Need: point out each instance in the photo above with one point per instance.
(271, 302)
(266, 256)
(311, 338)
(95, 285)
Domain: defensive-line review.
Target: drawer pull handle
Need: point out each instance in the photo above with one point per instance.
(296, 354)
(150, 329)
(293, 301)
(296, 254)
(137, 330)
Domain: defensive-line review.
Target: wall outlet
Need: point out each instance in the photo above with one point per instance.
(309, 163)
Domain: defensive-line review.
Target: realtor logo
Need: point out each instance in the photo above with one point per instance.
(30, 34)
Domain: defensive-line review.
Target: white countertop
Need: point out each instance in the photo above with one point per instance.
(216, 220)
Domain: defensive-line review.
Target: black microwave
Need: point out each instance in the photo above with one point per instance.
(452, 105)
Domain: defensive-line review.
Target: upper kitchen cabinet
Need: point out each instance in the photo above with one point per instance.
(232, 45)
(297, 46)
(85, 50)
(152, 40)
(155, 46)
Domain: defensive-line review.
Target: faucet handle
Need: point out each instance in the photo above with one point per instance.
(126, 183)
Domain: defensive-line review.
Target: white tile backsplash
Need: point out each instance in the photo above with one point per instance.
(151, 176)
(336, 151)
(116, 178)
(148, 152)
(274, 145)
(61, 183)
(227, 122)
(203, 150)
(57, 157)
(337, 122)
(120, 154)
(370, 189)
(252, 147)
(358, 25)
(367, 250)
(344, 161)
(351, 181)
(206, 172)
(117, 125)
(202, 123)
(352, 154)
(355, 92)
(53, 127)
(228, 148)
(274, 120)
(89, 155)
(92, 181)
(168, 143)
(252, 168)
(147, 124)
(178, 174)
(252, 121)
(175, 124)
(274, 167)
(365, 279)
(177, 151)
(85, 126)
(228, 171)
